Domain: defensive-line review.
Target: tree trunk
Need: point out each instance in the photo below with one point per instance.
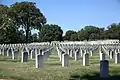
(27, 34)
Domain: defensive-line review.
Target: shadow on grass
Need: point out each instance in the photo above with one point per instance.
(18, 78)
(53, 64)
(96, 76)
(95, 62)
(9, 60)
(52, 57)
(12, 78)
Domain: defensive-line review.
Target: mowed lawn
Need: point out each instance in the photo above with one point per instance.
(15, 70)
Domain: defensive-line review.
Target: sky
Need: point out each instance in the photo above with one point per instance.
(76, 14)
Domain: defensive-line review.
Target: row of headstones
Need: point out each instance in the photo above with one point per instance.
(10, 52)
(104, 64)
(13, 53)
(112, 47)
(20, 46)
(40, 58)
(35, 52)
(38, 54)
(75, 52)
(98, 42)
(112, 54)
(78, 46)
(64, 56)
(84, 46)
(85, 56)
(23, 44)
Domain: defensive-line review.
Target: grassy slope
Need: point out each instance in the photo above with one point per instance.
(15, 70)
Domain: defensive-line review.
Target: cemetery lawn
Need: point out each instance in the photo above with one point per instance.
(15, 70)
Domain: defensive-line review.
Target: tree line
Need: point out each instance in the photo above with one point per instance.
(94, 33)
(18, 19)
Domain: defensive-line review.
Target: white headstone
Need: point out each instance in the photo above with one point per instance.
(61, 53)
(81, 53)
(65, 60)
(71, 53)
(15, 55)
(39, 61)
(32, 55)
(0, 51)
(102, 56)
(77, 55)
(117, 58)
(91, 53)
(24, 57)
(85, 59)
(46, 55)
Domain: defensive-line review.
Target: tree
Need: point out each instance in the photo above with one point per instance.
(89, 33)
(50, 32)
(34, 37)
(20, 36)
(9, 33)
(74, 37)
(102, 33)
(6, 25)
(26, 14)
(113, 31)
(68, 34)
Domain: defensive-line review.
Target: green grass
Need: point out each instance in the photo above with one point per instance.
(15, 70)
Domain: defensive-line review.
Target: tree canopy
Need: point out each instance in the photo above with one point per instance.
(50, 32)
(27, 16)
(17, 21)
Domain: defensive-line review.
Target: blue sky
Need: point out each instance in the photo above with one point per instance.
(75, 14)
